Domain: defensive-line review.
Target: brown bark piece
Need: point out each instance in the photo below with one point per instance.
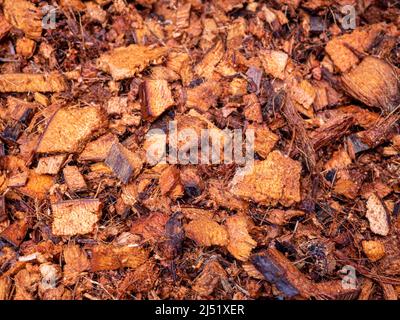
(26, 47)
(374, 250)
(5, 287)
(69, 128)
(50, 165)
(240, 242)
(124, 163)
(203, 96)
(108, 257)
(76, 262)
(206, 66)
(75, 217)
(24, 15)
(276, 179)
(274, 63)
(209, 278)
(126, 62)
(150, 228)
(340, 49)
(207, 232)
(264, 139)
(98, 149)
(4, 26)
(16, 232)
(74, 179)
(278, 270)
(23, 82)
(381, 88)
(155, 98)
(377, 216)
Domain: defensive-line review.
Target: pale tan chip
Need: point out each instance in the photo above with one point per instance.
(240, 242)
(377, 216)
(374, 250)
(22, 82)
(24, 15)
(75, 217)
(209, 278)
(126, 62)
(109, 257)
(156, 97)
(276, 179)
(151, 228)
(74, 179)
(76, 262)
(274, 62)
(50, 165)
(69, 128)
(207, 232)
(98, 149)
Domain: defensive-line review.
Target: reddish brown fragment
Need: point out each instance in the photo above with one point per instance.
(150, 228)
(23, 82)
(74, 217)
(209, 278)
(206, 66)
(108, 257)
(98, 149)
(155, 98)
(74, 179)
(4, 26)
(16, 232)
(76, 262)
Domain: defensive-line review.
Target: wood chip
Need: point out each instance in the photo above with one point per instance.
(16, 232)
(74, 179)
(98, 149)
(23, 82)
(75, 217)
(209, 278)
(76, 262)
(124, 163)
(240, 242)
(155, 98)
(207, 232)
(69, 128)
(374, 250)
(377, 216)
(24, 15)
(50, 165)
(380, 89)
(276, 179)
(274, 63)
(109, 257)
(125, 62)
